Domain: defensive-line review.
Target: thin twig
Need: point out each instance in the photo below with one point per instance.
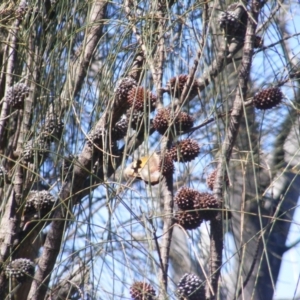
(231, 134)
(9, 220)
(191, 78)
(56, 231)
(128, 10)
(9, 78)
(270, 17)
(168, 205)
(224, 57)
(160, 51)
(166, 184)
(219, 116)
(250, 272)
(155, 238)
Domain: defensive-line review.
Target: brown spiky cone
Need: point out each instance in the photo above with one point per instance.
(139, 98)
(35, 149)
(38, 204)
(135, 118)
(20, 269)
(234, 20)
(185, 150)
(185, 198)
(119, 130)
(166, 165)
(176, 85)
(187, 216)
(142, 291)
(268, 98)
(141, 102)
(16, 95)
(258, 42)
(96, 137)
(211, 178)
(120, 104)
(161, 120)
(191, 287)
(165, 119)
(53, 128)
(124, 86)
(189, 220)
(207, 205)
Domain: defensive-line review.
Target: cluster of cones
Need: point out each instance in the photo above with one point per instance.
(194, 207)
(139, 102)
(189, 287)
(52, 128)
(152, 168)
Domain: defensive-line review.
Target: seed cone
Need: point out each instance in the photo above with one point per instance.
(186, 150)
(95, 137)
(142, 291)
(176, 85)
(53, 128)
(161, 120)
(188, 219)
(124, 86)
(228, 21)
(184, 122)
(20, 269)
(164, 119)
(268, 98)
(185, 198)
(258, 42)
(119, 130)
(139, 99)
(166, 165)
(208, 206)
(233, 21)
(135, 118)
(211, 178)
(35, 148)
(16, 95)
(189, 287)
(38, 204)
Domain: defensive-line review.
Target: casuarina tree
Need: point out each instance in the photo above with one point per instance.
(148, 149)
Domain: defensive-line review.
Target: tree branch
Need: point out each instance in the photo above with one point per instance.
(168, 204)
(54, 237)
(216, 239)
